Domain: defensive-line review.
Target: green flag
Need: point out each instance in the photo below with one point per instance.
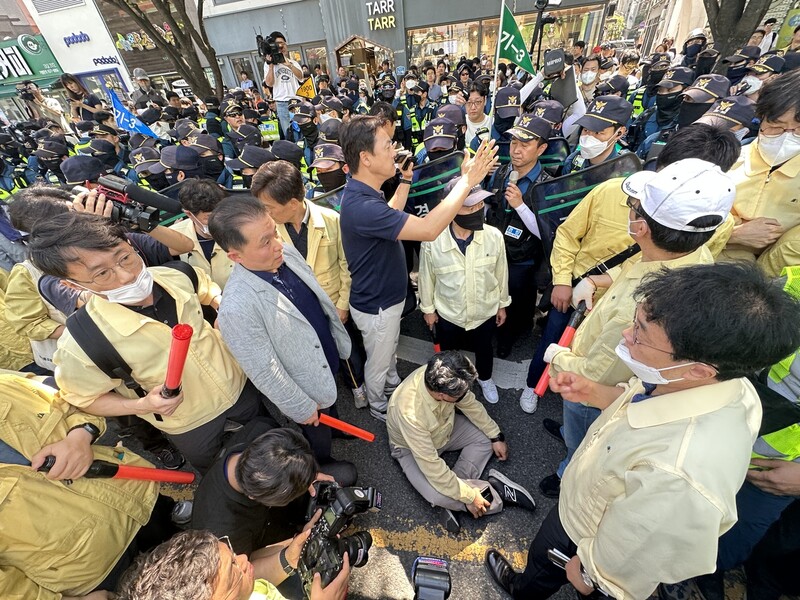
(512, 46)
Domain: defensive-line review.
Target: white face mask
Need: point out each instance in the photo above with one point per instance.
(134, 292)
(587, 77)
(591, 146)
(646, 373)
(452, 98)
(754, 84)
(777, 149)
(203, 228)
(630, 233)
(324, 117)
(605, 76)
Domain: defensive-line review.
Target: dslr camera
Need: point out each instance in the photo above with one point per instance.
(268, 49)
(324, 550)
(134, 207)
(25, 93)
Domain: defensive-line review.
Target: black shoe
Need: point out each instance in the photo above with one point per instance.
(511, 493)
(712, 586)
(500, 569)
(553, 428)
(170, 458)
(503, 349)
(551, 486)
(450, 521)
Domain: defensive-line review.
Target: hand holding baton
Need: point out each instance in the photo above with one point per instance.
(565, 340)
(102, 469)
(179, 349)
(436, 346)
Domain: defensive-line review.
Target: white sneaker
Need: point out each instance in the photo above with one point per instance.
(528, 401)
(489, 390)
(360, 396)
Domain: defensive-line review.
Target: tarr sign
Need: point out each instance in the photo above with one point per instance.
(384, 8)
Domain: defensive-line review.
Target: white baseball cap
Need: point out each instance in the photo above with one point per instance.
(476, 194)
(682, 192)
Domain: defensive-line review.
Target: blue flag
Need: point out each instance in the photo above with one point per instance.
(126, 120)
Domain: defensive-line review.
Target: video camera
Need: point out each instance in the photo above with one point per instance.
(25, 93)
(268, 48)
(134, 206)
(431, 578)
(324, 550)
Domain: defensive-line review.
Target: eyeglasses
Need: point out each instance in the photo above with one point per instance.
(776, 131)
(127, 262)
(234, 113)
(636, 334)
(634, 207)
(475, 102)
(235, 586)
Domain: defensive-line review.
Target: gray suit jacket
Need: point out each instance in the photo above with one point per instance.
(275, 344)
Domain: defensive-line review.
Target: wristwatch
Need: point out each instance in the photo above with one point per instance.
(287, 568)
(92, 429)
(407, 181)
(500, 437)
(586, 579)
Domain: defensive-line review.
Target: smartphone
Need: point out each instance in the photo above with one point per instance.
(487, 494)
(558, 558)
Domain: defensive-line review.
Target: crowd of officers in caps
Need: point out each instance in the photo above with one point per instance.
(668, 109)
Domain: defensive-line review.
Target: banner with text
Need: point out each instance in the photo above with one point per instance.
(125, 119)
(512, 46)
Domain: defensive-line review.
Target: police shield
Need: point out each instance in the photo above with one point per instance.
(430, 180)
(555, 198)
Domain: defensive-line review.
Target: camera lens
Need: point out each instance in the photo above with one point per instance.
(357, 547)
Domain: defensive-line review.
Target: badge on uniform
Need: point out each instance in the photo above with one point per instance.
(513, 232)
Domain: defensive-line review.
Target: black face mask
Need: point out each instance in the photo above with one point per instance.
(461, 140)
(736, 74)
(387, 95)
(472, 221)
(434, 154)
(332, 180)
(503, 125)
(654, 77)
(693, 50)
(689, 112)
(668, 106)
(172, 178)
(247, 181)
(310, 131)
(157, 181)
(213, 167)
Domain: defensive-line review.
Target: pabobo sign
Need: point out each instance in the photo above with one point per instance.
(105, 60)
(76, 38)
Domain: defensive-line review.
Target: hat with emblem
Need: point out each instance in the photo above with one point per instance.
(769, 63)
(329, 131)
(606, 111)
(100, 129)
(230, 108)
(617, 83)
(180, 158)
(332, 103)
(139, 140)
(51, 148)
(203, 142)
(452, 112)
(440, 134)
(746, 53)
(304, 112)
(288, 151)
(79, 169)
(507, 103)
(551, 111)
(327, 155)
(707, 88)
(96, 147)
(676, 76)
(251, 157)
(246, 135)
(148, 160)
(530, 127)
(736, 110)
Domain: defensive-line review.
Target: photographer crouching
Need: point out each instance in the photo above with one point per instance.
(281, 74)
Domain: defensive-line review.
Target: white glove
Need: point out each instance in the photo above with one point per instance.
(583, 291)
(552, 350)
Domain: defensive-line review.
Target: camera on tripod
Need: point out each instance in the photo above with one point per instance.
(268, 47)
(324, 550)
(134, 207)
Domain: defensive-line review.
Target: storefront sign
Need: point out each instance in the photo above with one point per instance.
(384, 8)
(105, 60)
(77, 38)
(27, 57)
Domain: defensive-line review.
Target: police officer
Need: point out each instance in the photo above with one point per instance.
(439, 139)
(603, 127)
(695, 43)
(146, 161)
(331, 172)
(644, 97)
(507, 111)
(210, 151)
(406, 105)
(667, 104)
(248, 162)
(616, 85)
(734, 113)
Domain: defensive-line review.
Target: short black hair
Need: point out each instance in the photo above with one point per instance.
(384, 111)
(357, 136)
(102, 115)
(170, 95)
(590, 58)
(277, 467)
(277, 34)
(37, 202)
(479, 88)
(703, 141)
(779, 96)
(200, 195)
(52, 243)
(674, 240)
(580, 44)
(231, 214)
(451, 373)
(280, 180)
(729, 315)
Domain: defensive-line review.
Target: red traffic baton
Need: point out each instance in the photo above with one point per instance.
(436, 346)
(102, 469)
(178, 350)
(565, 340)
(346, 427)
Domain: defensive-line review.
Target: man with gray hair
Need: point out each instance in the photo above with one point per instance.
(422, 423)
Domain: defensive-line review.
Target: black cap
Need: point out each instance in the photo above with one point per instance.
(347, 102)
(617, 83)
(507, 102)
(452, 112)
(42, 134)
(746, 53)
(150, 116)
(327, 154)
(251, 157)
(229, 106)
(294, 102)
(51, 148)
(84, 126)
(606, 111)
(180, 158)
(769, 63)
(203, 142)
(551, 111)
(80, 169)
(708, 88)
(139, 140)
(387, 83)
(676, 76)
(606, 64)
(250, 114)
(288, 151)
(182, 131)
(791, 61)
(738, 110)
(530, 127)
(170, 114)
(440, 133)
(329, 131)
(100, 129)
(305, 110)
(147, 159)
(246, 135)
(421, 86)
(657, 60)
(332, 103)
(97, 146)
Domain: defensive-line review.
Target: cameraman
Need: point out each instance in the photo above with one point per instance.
(196, 565)
(39, 106)
(283, 78)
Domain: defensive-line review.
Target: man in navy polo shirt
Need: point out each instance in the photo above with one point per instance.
(372, 229)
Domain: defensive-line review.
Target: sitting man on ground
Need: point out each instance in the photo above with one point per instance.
(422, 423)
(653, 485)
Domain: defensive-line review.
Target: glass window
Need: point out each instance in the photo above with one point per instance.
(243, 63)
(97, 83)
(432, 43)
(317, 56)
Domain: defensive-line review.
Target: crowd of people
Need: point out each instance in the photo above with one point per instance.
(307, 229)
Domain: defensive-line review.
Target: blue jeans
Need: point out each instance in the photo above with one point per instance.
(556, 323)
(577, 420)
(757, 510)
(284, 116)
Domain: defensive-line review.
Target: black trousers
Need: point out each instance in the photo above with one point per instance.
(351, 370)
(541, 578)
(519, 315)
(320, 437)
(771, 568)
(478, 340)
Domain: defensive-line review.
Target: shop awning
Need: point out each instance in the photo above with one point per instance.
(6, 91)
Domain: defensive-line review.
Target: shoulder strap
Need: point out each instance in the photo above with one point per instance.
(100, 351)
(186, 269)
